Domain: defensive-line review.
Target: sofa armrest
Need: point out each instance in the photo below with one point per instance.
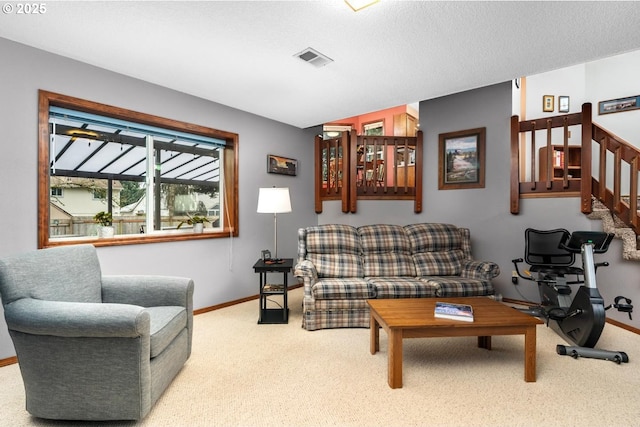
(148, 290)
(306, 271)
(77, 319)
(486, 270)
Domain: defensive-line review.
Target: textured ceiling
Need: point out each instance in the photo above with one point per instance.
(241, 53)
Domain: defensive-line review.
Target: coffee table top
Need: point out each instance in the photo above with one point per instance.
(418, 312)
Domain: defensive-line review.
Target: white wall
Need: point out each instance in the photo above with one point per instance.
(221, 268)
(612, 78)
(596, 81)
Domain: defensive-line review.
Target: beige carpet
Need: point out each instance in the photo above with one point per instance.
(245, 374)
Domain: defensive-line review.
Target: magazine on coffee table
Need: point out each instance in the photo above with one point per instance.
(448, 310)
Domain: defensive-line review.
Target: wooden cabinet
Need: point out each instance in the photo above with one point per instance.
(558, 159)
(404, 125)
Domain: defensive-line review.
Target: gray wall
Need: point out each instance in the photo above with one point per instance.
(221, 268)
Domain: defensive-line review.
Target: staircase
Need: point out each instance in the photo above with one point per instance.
(613, 224)
(600, 192)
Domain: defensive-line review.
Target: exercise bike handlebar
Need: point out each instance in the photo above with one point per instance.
(599, 241)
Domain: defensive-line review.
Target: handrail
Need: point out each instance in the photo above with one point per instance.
(625, 156)
(624, 164)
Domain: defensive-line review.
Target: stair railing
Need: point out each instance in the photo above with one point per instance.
(623, 159)
(616, 161)
(525, 150)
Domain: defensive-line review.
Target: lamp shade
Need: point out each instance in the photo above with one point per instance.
(274, 200)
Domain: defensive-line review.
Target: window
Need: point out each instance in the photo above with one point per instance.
(152, 174)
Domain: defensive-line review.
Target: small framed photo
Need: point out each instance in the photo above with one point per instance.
(547, 103)
(461, 158)
(563, 104)
(282, 165)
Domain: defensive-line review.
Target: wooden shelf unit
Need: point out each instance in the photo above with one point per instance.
(574, 169)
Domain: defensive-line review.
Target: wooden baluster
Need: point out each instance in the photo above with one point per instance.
(384, 165)
(602, 170)
(617, 179)
(533, 156)
(565, 170)
(633, 193)
(549, 159)
(514, 187)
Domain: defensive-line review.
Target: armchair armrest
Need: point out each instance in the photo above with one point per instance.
(148, 291)
(76, 319)
(480, 269)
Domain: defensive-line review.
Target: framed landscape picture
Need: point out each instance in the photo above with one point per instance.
(619, 105)
(461, 158)
(282, 165)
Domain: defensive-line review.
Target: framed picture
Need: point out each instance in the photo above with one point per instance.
(619, 105)
(563, 104)
(461, 157)
(282, 165)
(547, 103)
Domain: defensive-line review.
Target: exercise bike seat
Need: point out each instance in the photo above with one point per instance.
(545, 255)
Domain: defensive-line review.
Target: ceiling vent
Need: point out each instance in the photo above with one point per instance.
(314, 57)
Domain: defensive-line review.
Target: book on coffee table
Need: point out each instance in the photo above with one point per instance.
(448, 310)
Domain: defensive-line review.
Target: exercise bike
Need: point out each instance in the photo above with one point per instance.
(581, 318)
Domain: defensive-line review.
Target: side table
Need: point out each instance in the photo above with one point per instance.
(273, 315)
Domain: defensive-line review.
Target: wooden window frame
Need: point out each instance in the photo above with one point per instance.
(47, 99)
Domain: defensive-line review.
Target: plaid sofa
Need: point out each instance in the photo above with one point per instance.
(342, 266)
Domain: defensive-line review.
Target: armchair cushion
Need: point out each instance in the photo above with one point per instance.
(166, 323)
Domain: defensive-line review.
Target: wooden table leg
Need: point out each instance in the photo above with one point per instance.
(530, 354)
(374, 334)
(395, 358)
(484, 342)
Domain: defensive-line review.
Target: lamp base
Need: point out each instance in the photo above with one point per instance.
(274, 261)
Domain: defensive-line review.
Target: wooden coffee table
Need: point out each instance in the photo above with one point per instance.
(413, 318)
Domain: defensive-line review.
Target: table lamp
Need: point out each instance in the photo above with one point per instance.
(274, 200)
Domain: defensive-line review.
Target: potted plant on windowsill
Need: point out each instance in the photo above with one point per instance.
(196, 221)
(105, 220)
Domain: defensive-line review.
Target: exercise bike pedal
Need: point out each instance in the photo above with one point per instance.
(556, 313)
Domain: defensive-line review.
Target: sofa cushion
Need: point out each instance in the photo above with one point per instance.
(386, 251)
(445, 263)
(402, 287)
(337, 265)
(431, 237)
(456, 286)
(347, 288)
(166, 323)
(334, 249)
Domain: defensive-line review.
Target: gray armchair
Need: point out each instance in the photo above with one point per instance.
(93, 347)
